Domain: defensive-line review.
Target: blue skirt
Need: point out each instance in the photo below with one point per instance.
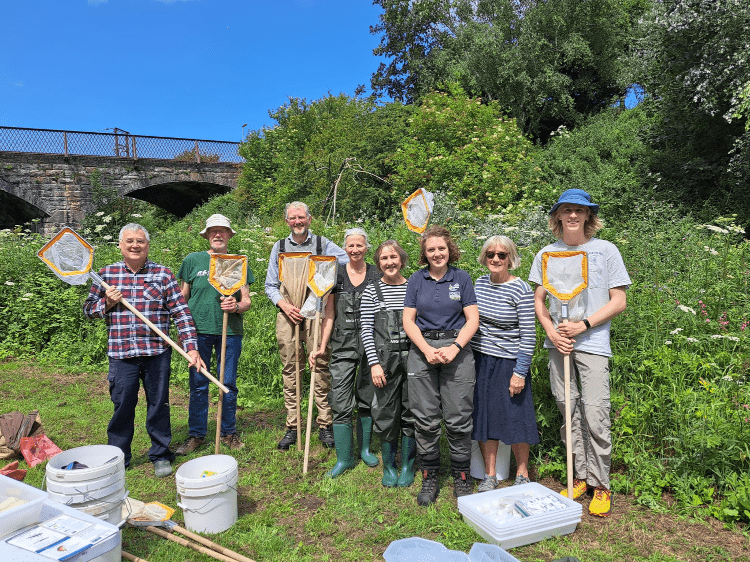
(497, 415)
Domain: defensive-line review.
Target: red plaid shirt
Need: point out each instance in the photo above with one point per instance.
(154, 292)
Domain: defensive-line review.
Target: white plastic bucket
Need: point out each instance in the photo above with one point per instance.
(102, 461)
(502, 462)
(98, 490)
(208, 494)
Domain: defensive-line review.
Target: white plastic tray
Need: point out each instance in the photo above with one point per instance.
(26, 514)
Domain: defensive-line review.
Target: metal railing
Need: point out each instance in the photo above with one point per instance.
(119, 144)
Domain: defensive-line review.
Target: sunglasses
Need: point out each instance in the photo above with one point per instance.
(500, 255)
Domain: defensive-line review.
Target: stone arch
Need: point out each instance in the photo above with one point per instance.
(20, 206)
(179, 193)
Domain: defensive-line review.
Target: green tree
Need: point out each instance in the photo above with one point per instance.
(330, 151)
(694, 59)
(469, 150)
(550, 63)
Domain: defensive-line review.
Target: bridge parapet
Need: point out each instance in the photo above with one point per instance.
(118, 144)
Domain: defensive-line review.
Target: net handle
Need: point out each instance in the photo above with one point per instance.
(161, 334)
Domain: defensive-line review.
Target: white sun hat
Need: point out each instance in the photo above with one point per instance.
(217, 220)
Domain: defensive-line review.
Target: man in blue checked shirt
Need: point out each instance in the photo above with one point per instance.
(136, 352)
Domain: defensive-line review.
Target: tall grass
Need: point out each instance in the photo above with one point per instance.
(680, 398)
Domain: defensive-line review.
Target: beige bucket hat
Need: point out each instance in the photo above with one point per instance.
(217, 220)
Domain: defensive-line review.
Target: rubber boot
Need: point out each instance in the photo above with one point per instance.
(364, 434)
(390, 475)
(408, 454)
(342, 434)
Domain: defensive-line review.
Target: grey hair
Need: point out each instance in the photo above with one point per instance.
(134, 227)
(505, 242)
(356, 232)
(296, 205)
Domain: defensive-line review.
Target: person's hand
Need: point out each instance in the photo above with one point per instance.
(314, 356)
(378, 375)
(571, 329)
(564, 345)
(433, 356)
(448, 353)
(291, 312)
(195, 360)
(229, 304)
(517, 384)
(111, 297)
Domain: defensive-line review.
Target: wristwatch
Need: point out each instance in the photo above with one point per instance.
(586, 322)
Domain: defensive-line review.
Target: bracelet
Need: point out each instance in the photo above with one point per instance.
(519, 375)
(458, 345)
(586, 322)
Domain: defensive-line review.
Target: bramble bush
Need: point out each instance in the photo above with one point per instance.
(680, 396)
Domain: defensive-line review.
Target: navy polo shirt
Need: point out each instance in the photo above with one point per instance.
(440, 304)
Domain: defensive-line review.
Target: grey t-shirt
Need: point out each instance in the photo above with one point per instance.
(606, 271)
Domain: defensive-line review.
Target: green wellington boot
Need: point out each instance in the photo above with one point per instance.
(408, 454)
(364, 434)
(342, 435)
(390, 475)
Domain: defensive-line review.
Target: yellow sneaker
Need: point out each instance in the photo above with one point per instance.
(601, 505)
(579, 488)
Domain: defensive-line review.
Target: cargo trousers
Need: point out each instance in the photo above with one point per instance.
(590, 412)
(442, 393)
(285, 339)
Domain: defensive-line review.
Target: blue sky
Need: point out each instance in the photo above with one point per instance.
(177, 68)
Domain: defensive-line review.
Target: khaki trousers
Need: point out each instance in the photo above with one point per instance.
(285, 339)
(590, 409)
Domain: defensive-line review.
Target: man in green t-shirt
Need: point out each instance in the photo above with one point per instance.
(208, 306)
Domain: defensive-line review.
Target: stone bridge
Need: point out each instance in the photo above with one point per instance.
(174, 174)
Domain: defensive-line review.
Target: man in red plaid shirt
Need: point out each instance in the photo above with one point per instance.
(135, 352)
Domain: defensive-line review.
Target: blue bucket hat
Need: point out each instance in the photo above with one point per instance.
(576, 197)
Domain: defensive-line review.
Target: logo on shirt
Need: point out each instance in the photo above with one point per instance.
(453, 292)
(202, 273)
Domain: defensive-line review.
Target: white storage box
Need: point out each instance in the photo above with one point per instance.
(24, 514)
(493, 516)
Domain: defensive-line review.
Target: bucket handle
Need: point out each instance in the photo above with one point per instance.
(185, 508)
(86, 495)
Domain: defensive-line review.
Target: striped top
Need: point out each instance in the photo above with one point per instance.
(506, 321)
(394, 300)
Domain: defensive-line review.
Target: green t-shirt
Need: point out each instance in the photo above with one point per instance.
(205, 301)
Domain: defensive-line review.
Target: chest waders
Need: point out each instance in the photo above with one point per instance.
(392, 412)
(350, 376)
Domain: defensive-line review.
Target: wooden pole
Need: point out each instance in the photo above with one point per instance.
(222, 362)
(316, 329)
(217, 547)
(568, 422)
(132, 557)
(161, 334)
(187, 543)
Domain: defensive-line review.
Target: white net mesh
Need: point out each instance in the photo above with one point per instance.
(418, 210)
(69, 258)
(324, 277)
(565, 281)
(229, 274)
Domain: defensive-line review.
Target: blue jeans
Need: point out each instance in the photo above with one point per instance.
(124, 381)
(198, 409)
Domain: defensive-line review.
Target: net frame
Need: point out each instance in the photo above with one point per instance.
(232, 261)
(50, 250)
(419, 194)
(316, 271)
(565, 294)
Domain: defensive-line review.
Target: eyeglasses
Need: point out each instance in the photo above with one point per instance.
(500, 255)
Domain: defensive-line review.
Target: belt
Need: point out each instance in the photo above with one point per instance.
(439, 334)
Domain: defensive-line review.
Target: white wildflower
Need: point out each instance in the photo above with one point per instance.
(260, 259)
(108, 218)
(716, 228)
(675, 331)
(735, 228)
(98, 228)
(23, 299)
(668, 342)
(691, 340)
(253, 293)
(684, 308)
(28, 295)
(136, 215)
(107, 237)
(716, 336)
(10, 283)
(100, 214)
(711, 251)
(733, 338)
